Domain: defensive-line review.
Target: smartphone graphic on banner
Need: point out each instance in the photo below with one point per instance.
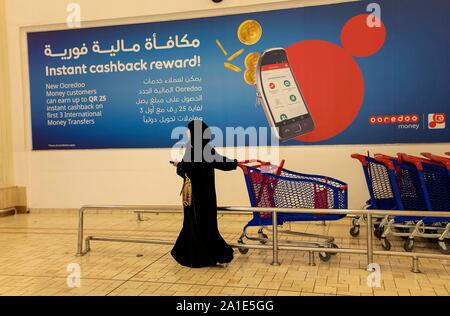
(284, 105)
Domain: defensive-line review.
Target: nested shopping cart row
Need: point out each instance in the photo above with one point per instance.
(407, 182)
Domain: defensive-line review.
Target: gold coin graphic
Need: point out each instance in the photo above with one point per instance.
(232, 67)
(221, 47)
(238, 53)
(250, 76)
(251, 61)
(249, 32)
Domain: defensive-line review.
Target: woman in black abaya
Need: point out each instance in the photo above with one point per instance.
(200, 243)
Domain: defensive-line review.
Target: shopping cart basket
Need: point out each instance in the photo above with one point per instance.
(442, 161)
(383, 194)
(270, 185)
(423, 185)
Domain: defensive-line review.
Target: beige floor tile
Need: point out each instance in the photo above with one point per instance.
(36, 249)
(325, 290)
(288, 293)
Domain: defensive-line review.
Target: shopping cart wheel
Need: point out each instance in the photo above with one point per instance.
(409, 244)
(263, 238)
(378, 232)
(324, 256)
(385, 244)
(443, 247)
(404, 231)
(354, 231)
(243, 251)
(333, 245)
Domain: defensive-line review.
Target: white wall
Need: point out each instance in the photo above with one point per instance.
(68, 179)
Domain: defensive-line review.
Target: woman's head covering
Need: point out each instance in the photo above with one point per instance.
(200, 133)
(199, 139)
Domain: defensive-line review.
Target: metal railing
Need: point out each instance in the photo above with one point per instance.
(369, 214)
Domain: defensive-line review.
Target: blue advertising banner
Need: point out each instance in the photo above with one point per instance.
(352, 73)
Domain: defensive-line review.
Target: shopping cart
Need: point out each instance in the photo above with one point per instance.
(423, 185)
(383, 194)
(270, 186)
(442, 161)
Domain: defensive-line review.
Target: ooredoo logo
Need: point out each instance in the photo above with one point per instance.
(436, 121)
(394, 119)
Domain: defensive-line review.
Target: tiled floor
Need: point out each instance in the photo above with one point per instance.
(36, 249)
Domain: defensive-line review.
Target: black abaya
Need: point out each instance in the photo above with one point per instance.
(200, 243)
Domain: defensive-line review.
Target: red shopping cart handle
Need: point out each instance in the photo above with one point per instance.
(386, 160)
(256, 163)
(417, 161)
(439, 159)
(361, 158)
(384, 156)
(248, 161)
(411, 158)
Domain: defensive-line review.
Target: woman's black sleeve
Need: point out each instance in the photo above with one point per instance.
(180, 169)
(224, 163)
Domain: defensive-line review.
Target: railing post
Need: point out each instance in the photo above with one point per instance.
(312, 262)
(415, 265)
(88, 245)
(275, 261)
(80, 231)
(369, 241)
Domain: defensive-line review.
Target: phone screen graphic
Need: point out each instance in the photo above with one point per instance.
(282, 99)
(283, 96)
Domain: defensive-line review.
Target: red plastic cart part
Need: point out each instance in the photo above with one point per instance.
(280, 167)
(252, 161)
(274, 182)
(416, 161)
(386, 160)
(320, 198)
(361, 158)
(258, 164)
(255, 164)
(386, 156)
(264, 185)
(439, 159)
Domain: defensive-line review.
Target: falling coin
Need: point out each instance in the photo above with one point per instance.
(232, 67)
(221, 47)
(238, 53)
(249, 32)
(251, 61)
(250, 76)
